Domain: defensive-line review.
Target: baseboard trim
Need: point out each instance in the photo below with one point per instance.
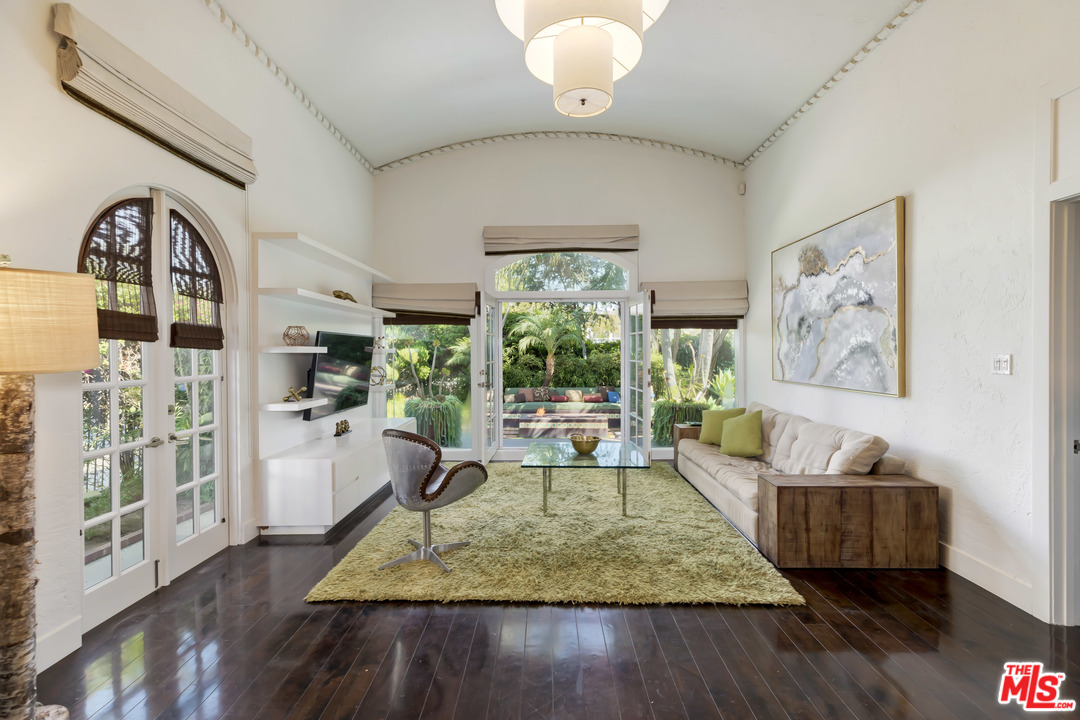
(249, 531)
(988, 577)
(55, 645)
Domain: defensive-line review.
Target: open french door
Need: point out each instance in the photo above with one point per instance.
(636, 377)
(491, 379)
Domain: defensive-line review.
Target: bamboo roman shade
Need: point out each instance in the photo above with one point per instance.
(197, 293)
(116, 252)
(514, 239)
(715, 305)
(427, 303)
(99, 71)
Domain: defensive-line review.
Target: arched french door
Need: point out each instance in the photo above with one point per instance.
(154, 445)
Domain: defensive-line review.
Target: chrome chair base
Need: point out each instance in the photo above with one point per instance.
(425, 550)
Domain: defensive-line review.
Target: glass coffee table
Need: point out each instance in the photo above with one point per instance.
(618, 456)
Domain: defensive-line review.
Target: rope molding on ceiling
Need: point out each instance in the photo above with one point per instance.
(241, 35)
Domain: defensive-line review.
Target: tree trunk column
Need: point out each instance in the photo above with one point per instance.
(18, 669)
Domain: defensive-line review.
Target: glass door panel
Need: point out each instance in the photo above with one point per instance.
(492, 389)
(118, 541)
(636, 373)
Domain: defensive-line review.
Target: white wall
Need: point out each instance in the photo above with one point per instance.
(943, 114)
(430, 215)
(61, 161)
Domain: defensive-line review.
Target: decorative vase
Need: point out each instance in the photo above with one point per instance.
(295, 335)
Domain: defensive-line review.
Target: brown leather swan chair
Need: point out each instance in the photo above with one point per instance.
(422, 484)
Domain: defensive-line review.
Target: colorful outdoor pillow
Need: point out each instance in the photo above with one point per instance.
(509, 398)
(519, 397)
(742, 435)
(574, 396)
(558, 398)
(712, 424)
(528, 393)
(614, 397)
(593, 398)
(541, 394)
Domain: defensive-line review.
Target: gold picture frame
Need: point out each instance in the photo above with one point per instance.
(838, 304)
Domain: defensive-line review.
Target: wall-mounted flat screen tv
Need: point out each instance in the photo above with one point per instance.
(341, 374)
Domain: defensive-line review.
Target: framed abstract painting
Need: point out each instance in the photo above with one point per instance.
(838, 305)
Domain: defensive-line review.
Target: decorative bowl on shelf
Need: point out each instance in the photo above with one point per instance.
(584, 444)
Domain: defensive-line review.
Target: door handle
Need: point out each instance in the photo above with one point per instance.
(155, 442)
(172, 437)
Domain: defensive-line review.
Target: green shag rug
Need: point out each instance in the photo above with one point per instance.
(673, 548)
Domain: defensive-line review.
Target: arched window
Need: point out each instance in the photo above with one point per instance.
(561, 272)
(196, 288)
(117, 252)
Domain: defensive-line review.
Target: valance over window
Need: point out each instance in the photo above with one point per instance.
(513, 239)
(116, 252)
(698, 304)
(99, 71)
(427, 303)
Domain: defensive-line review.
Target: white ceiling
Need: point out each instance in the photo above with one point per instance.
(399, 77)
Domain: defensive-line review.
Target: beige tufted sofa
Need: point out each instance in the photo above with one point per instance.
(791, 444)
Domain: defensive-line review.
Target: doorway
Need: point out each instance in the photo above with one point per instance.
(154, 441)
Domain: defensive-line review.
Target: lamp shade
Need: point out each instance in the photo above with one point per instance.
(48, 322)
(545, 20)
(583, 81)
(512, 14)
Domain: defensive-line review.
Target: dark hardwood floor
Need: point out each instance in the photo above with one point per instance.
(234, 639)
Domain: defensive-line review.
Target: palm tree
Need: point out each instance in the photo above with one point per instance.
(548, 329)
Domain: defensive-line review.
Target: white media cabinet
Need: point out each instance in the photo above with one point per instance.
(309, 488)
(310, 480)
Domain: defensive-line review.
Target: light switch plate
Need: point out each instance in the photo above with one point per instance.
(1002, 365)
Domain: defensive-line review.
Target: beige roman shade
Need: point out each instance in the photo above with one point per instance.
(427, 303)
(513, 239)
(698, 304)
(99, 71)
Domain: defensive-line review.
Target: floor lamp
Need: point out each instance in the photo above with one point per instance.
(48, 324)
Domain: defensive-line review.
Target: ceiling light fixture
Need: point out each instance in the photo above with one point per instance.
(605, 43)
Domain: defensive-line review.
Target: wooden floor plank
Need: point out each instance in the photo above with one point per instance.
(597, 680)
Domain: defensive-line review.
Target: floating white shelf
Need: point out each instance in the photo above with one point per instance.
(302, 245)
(293, 406)
(307, 297)
(293, 350)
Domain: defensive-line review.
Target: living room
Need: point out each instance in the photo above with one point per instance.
(950, 111)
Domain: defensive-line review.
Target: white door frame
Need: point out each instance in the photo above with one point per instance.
(1056, 325)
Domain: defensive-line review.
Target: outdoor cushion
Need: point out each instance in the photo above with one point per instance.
(614, 397)
(742, 435)
(541, 394)
(593, 398)
(510, 397)
(574, 395)
(558, 398)
(519, 398)
(528, 393)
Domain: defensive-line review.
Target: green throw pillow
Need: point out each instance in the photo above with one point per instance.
(742, 435)
(712, 424)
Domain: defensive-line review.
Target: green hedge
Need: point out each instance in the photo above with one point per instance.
(665, 413)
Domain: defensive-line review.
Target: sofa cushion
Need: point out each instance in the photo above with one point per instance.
(773, 426)
(712, 424)
(527, 393)
(822, 448)
(541, 394)
(573, 395)
(593, 398)
(558, 398)
(509, 397)
(737, 475)
(741, 436)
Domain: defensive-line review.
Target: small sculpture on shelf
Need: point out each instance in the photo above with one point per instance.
(377, 376)
(294, 395)
(341, 428)
(295, 335)
(342, 295)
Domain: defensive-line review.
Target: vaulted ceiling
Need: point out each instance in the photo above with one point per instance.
(398, 77)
